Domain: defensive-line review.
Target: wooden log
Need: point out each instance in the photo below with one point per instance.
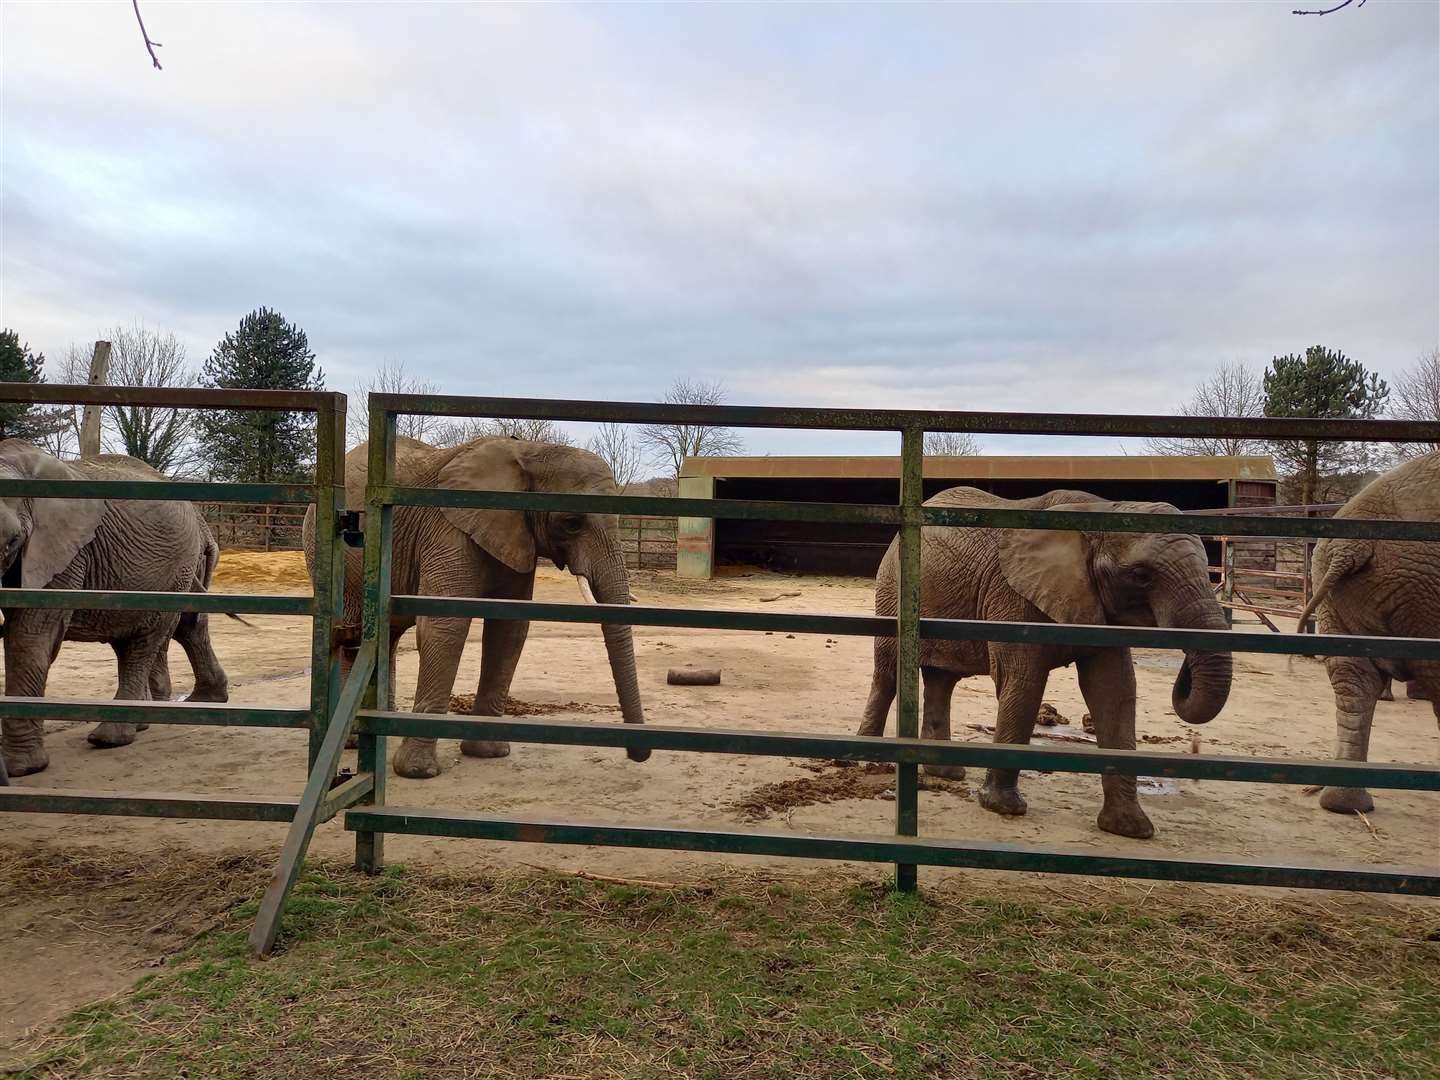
(90, 424)
(693, 676)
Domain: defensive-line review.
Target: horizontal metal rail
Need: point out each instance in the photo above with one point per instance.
(1083, 759)
(173, 397)
(980, 423)
(208, 714)
(36, 800)
(157, 491)
(873, 514)
(940, 629)
(974, 854)
(215, 603)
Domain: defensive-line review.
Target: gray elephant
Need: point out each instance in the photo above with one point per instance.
(1383, 588)
(107, 546)
(1041, 575)
(489, 553)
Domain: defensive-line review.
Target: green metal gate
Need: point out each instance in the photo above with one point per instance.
(371, 675)
(328, 495)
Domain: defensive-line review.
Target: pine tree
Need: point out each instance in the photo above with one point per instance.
(264, 353)
(19, 365)
(1323, 384)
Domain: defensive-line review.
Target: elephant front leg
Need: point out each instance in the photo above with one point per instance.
(30, 645)
(1107, 682)
(935, 723)
(1357, 684)
(501, 644)
(439, 643)
(1020, 686)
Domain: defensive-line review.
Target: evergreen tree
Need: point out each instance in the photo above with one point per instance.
(264, 353)
(17, 419)
(1323, 384)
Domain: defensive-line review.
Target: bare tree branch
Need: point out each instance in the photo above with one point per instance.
(150, 46)
(392, 378)
(613, 444)
(951, 444)
(671, 444)
(1231, 390)
(1329, 10)
(1417, 397)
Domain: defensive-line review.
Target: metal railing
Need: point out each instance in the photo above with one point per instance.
(370, 679)
(323, 606)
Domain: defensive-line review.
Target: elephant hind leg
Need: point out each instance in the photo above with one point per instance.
(1357, 683)
(193, 634)
(439, 643)
(882, 689)
(1020, 690)
(939, 690)
(137, 658)
(32, 640)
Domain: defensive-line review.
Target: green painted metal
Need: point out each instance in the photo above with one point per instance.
(1077, 759)
(346, 794)
(329, 573)
(953, 516)
(172, 396)
(35, 800)
(375, 617)
(157, 490)
(312, 804)
(96, 600)
(980, 423)
(153, 712)
(901, 850)
(907, 685)
(941, 629)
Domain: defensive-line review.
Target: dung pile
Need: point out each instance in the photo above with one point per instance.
(463, 703)
(830, 784)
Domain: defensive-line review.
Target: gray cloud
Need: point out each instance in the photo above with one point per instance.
(1009, 207)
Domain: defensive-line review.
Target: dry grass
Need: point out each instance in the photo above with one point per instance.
(539, 974)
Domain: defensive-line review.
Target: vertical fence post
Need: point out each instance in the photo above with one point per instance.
(907, 687)
(90, 418)
(379, 532)
(329, 570)
(1227, 575)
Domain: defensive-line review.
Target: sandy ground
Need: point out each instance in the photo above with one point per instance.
(1278, 708)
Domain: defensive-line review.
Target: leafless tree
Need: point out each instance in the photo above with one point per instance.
(671, 444)
(158, 436)
(73, 367)
(951, 444)
(1233, 389)
(615, 445)
(456, 430)
(1417, 397)
(391, 378)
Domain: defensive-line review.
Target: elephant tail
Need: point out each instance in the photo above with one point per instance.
(1346, 557)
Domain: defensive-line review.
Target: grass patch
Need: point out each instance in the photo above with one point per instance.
(433, 974)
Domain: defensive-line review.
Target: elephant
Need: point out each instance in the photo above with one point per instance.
(487, 553)
(160, 546)
(1043, 575)
(1383, 588)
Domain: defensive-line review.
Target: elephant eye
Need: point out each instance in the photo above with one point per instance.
(572, 523)
(1140, 575)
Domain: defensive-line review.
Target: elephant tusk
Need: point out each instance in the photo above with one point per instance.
(634, 599)
(585, 590)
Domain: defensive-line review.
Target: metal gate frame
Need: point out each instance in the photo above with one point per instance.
(323, 607)
(370, 676)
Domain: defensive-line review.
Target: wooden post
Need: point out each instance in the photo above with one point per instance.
(90, 425)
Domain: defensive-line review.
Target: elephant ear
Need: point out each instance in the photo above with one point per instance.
(1051, 569)
(491, 465)
(59, 527)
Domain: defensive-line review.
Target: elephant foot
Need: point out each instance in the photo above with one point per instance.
(1003, 800)
(945, 772)
(25, 762)
(1125, 819)
(1346, 800)
(417, 760)
(216, 694)
(1415, 692)
(111, 734)
(484, 748)
(1388, 694)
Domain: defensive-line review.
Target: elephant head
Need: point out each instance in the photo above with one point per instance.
(1126, 579)
(42, 535)
(587, 545)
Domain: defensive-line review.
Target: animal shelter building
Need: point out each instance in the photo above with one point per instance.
(1189, 483)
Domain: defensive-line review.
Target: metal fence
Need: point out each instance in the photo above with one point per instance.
(328, 495)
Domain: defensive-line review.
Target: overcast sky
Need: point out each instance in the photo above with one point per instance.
(1027, 206)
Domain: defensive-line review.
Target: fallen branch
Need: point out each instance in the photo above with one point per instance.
(777, 596)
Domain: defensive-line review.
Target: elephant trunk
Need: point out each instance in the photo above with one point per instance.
(1203, 685)
(609, 584)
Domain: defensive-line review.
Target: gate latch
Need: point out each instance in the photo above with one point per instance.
(352, 528)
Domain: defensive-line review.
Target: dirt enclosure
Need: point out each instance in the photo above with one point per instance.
(777, 682)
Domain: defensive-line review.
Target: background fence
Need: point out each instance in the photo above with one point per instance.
(648, 542)
(255, 528)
